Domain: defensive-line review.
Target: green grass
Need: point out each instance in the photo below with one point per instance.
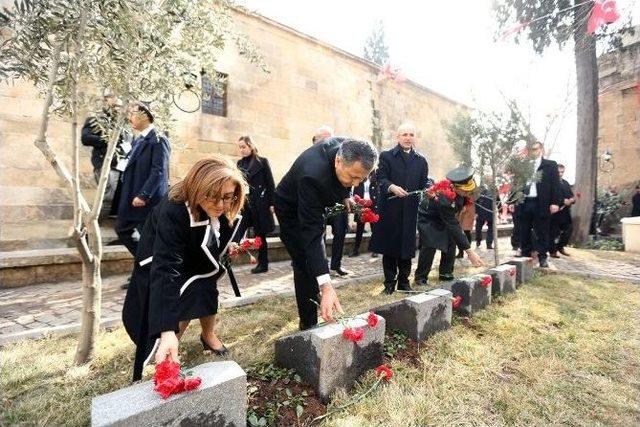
(563, 350)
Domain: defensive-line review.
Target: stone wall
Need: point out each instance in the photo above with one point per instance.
(311, 83)
(619, 127)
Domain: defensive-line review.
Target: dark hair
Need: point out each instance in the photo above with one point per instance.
(355, 150)
(247, 140)
(144, 108)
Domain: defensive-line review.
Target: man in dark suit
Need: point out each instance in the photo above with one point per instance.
(401, 171)
(319, 178)
(145, 179)
(561, 222)
(542, 199)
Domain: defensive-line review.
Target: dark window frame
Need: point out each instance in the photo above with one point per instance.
(216, 104)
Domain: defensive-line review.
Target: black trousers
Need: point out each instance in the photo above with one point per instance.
(532, 220)
(359, 233)
(305, 284)
(425, 261)
(561, 229)
(338, 225)
(515, 233)
(396, 269)
(263, 252)
(481, 220)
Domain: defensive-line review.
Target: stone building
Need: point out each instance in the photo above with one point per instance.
(619, 124)
(310, 83)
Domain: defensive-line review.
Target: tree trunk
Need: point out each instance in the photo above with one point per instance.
(587, 132)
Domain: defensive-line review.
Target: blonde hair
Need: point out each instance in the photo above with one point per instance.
(247, 140)
(205, 180)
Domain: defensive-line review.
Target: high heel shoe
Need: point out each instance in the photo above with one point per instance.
(224, 351)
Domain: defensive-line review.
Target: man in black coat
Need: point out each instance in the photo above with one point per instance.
(561, 222)
(319, 178)
(401, 171)
(484, 215)
(145, 180)
(542, 199)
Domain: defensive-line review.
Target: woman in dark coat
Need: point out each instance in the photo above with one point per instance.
(258, 212)
(178, 262)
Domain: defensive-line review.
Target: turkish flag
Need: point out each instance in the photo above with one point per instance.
(603, 12)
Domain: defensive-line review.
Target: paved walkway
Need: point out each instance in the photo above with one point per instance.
(39, 310)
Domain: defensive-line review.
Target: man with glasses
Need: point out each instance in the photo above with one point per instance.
(401, 171)
(145, 179)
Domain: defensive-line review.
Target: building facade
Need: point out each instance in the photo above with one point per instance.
(311, 83)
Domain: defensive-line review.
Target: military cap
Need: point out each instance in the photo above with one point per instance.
(462, 177)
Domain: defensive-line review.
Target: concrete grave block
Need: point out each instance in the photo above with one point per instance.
(474, 296)
(221, 400)
(504, 279)
(421, 315)
(327, 360)
(524, 266)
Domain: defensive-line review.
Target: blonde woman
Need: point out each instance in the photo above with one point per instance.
(177, 265)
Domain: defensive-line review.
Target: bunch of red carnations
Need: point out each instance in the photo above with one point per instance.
(245, 247)
(169, 379)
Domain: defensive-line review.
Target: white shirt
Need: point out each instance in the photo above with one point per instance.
(146, 130)
(533, 189)
(215, 226)
(367, 185)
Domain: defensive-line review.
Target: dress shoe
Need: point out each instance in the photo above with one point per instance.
(422, 282)
(374, 255)
(125, 285)
(554, 255)
(563, 252)
(446, 277)
(460, 255)
(489, 248)
(220, 352)
(389, 288)
(340, 271)
(354, 254)
(259, 269)
(404, 287)
(544, 263)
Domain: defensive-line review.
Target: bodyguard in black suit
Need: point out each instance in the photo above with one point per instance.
(319, 178)
(542, 199)
(145, 180)
(401, 170)
(561, 222)
(258, 211)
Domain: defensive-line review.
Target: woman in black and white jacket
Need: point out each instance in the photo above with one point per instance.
(178, 262)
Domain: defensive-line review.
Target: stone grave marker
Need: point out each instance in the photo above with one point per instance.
(324, 358)
(421, 315)
(474, 295)
(221, 400)
(503, 279)
(524, 266)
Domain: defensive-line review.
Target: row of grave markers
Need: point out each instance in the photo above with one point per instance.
(321, 356)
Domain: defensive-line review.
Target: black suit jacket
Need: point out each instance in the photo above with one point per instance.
(308, 188)
(373, 189)
(438, 225)
(548, 187)
(146, 176)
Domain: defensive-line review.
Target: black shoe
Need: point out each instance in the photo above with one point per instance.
(206, 347)
(422, 282)
(489, 247)
(460, 255)
(374, 255)
(354, 254)
(404, 287)
(544, 263)
(563, 252)
(389, 288)
(554, 255)
(446, 277)
(304, 327)
(259, 269)
(125, 285)
(340, 271)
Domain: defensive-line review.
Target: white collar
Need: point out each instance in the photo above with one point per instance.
(146, 131)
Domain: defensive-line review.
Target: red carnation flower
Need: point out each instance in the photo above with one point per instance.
(166, 369)
(257, 243)
(353, 334)
(369, 216)
(192, 383)
(169, 386)
(456, 301)
(485, 282)
(246, 244)
(372, 320)
(384, 372)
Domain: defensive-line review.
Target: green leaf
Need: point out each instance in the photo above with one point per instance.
(299, 411)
